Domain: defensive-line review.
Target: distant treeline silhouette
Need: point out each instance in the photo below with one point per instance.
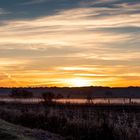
(79, 92)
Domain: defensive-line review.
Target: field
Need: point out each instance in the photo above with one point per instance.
(75, 121)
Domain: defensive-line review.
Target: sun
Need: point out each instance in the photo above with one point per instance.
(79, 82)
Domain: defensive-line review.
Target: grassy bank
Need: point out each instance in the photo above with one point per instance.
(10, 131)
(77, 122)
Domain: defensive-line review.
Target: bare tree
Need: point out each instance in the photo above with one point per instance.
(48, 97)
(108, 95)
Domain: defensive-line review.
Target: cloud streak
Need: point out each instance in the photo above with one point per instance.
(32, 2)
(97, 40)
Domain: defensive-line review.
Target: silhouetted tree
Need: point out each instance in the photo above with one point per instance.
(68, 96)
(89, 99)
(48, 96)
(108, 94)
(89, 96)
(21, 93)
(59, 96)
(130, 100)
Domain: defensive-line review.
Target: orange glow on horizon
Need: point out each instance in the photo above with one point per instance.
(68, 82)
(73, 47)
(78, 82)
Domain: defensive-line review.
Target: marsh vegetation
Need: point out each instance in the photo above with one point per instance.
(76, 122)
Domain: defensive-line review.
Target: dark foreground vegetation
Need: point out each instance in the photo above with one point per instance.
(76, 122)
(9, 131)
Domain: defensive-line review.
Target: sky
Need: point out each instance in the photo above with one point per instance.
(69, 43)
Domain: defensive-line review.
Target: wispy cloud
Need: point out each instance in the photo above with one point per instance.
(93, 41)
(32, 2)
(3, 12)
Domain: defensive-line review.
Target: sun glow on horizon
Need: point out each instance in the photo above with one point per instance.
(79, 82)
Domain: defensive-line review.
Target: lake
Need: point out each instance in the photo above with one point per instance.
(75, 101)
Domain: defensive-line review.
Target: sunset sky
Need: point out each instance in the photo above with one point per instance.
(69, 43)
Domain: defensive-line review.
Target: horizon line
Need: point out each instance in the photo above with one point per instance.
(73, 87)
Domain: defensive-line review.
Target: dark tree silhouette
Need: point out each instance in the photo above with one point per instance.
(108, 95)
(48, 97)
(59, 96)
(21, 93)
(89, 99)
(89, 96)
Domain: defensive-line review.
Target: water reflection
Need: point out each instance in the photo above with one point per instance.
(75, 101)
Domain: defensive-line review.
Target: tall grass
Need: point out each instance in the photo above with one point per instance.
(76, 122)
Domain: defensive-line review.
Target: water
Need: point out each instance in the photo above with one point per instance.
(75, 101)
(101, 100)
